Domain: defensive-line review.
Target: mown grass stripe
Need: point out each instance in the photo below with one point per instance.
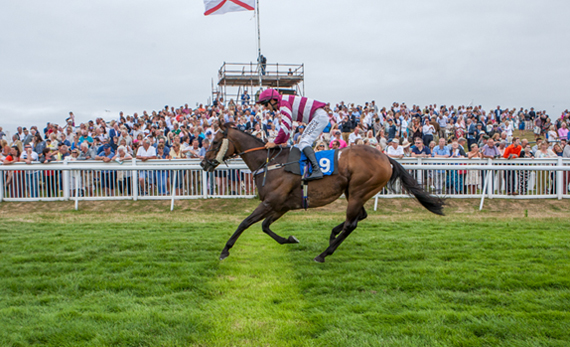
(257, 300)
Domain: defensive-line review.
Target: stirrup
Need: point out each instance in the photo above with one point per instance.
(315, 175)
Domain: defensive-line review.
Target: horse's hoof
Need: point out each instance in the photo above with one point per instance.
(224, 256)
(293, 239)
(319, 259)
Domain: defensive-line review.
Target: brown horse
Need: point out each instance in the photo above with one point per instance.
(362, 172)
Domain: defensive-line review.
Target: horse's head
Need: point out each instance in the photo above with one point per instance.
(221, 149)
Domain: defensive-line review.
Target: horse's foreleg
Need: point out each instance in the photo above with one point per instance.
(258, 214)
(336, 230)
(265, 227)
(353, 213)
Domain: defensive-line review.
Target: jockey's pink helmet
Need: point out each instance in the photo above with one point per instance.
(268, 95)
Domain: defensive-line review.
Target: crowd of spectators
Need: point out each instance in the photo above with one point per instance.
(397, 130)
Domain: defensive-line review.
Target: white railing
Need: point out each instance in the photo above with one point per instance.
(185, 179)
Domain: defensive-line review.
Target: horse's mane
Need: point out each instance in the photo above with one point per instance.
(232, 125)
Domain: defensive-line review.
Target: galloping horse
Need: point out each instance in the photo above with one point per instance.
(362, 172)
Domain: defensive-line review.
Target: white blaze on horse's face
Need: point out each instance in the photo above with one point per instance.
(223, 150)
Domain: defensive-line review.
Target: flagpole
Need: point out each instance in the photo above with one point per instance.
(258, 47)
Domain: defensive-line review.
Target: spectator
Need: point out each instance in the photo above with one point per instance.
(394, 150)
(455, 177)
(32, 177)
(144, 153)
(108, 177)
(419, 150)
(354, 136)
(543, 177)
(473, 178)
(320, 146)
(512, 152)
(552, 135)
(162, 175)
(337, 137)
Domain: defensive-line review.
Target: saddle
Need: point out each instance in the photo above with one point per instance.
(298, 164)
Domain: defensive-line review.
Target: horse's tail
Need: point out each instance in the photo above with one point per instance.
(409, 183)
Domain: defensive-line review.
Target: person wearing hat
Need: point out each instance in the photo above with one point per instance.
(303, 110)
(394, 150)
(337, 137)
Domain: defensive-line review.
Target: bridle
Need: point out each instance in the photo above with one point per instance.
(222, 149)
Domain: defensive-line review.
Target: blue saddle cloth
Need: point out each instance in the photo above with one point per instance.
(326, 159)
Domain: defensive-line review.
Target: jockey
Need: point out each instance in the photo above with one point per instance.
(300, 109)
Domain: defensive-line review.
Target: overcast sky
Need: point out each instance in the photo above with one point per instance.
(90, 56)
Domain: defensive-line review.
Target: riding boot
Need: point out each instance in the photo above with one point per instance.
(317, 173)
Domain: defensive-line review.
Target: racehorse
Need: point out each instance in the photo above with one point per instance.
(362, 172)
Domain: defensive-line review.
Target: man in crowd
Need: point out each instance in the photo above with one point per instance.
(419, 150)
(354, 136)
(144, 153)
(107, 176)
(394, 150)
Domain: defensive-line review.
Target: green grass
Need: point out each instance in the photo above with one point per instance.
(142, 276)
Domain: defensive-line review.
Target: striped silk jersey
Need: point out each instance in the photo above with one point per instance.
(295, 108)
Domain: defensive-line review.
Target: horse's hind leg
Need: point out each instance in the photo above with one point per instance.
(265, 227)
(260, 212)
(336, 230)
(352, 214)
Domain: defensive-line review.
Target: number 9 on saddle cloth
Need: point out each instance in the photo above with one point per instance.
(328, 161)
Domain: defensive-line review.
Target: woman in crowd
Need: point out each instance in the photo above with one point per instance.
(460, 128)
(428, 130)
(5, 149)
(14, 179)
(38, 144)
(416, 129)
(371, 139)
(557, 149)
(563, 131)
(473, 177)
(552, 135)
(320, 146)
(543, 177)
(431, 146)
(509, 130)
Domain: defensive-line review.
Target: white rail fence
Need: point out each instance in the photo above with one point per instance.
(184, 179)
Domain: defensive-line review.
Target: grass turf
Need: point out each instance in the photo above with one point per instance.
(403, 278)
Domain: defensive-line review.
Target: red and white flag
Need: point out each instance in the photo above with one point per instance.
(223, 6)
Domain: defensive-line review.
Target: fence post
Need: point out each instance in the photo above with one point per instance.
(76, 175)
(420, 175)
(491, 173)
(135, 180)
(488, 179)
(66, 182)
(173, 187)
(559, 174)
(2, 173)
(204, 184)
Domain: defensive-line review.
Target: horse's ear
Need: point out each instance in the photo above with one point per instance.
(221, 123)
